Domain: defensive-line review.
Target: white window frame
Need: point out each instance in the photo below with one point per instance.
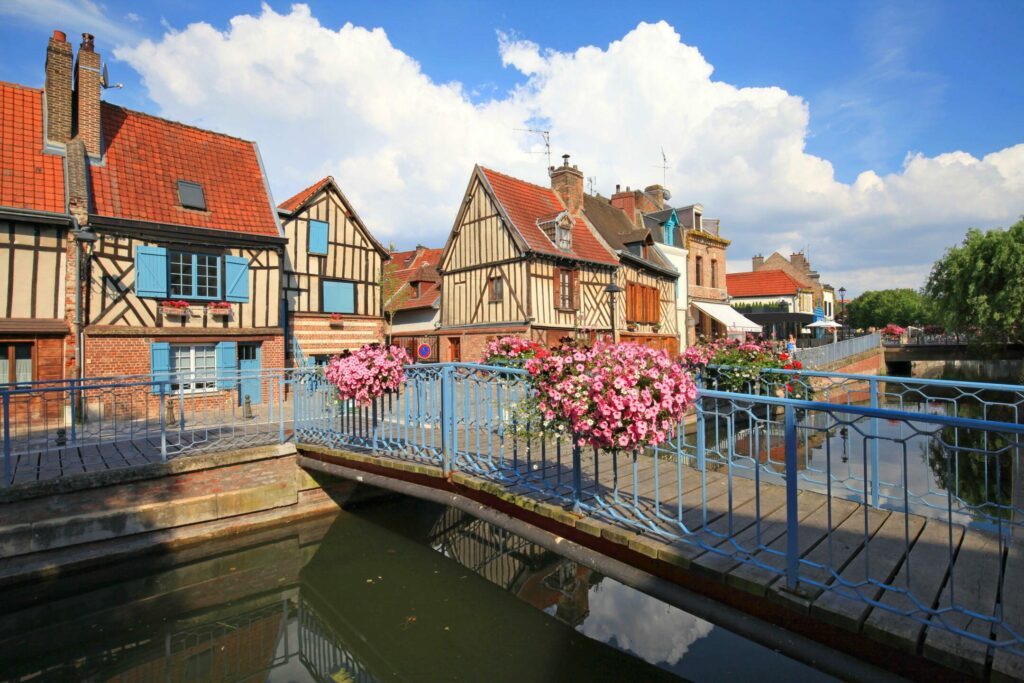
(192, 386)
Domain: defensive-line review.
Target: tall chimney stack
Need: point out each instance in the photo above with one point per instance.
(87, 97)
(58, 88)
(757, 262)
(567, 182)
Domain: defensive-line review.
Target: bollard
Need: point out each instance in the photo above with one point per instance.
(171, 418)
(247, 408)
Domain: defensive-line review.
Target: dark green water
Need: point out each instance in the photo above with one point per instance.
(394, 590)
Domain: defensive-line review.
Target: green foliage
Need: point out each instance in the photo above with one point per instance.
(978, 286)
(878, 308)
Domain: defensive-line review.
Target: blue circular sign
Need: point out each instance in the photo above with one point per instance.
(423, 350)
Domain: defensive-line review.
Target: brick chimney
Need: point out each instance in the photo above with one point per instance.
(656, 194)
(626, 202)
(58, 88)
(757, 262)
(800, 261)
(567, 182)
(87, 97)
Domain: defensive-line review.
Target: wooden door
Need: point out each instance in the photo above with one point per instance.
(454, 349)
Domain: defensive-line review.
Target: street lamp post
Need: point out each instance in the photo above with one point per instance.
(612, 289)
(842, 308)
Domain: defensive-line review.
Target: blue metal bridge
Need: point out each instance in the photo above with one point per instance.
(888, 509)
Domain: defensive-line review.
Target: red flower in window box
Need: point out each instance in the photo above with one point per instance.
(337, 320)
(219, 308)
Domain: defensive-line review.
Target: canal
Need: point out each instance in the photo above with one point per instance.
(391, 589)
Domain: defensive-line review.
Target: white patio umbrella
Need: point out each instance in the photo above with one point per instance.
(828, 324)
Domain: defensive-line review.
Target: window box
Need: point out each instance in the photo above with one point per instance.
(221, 309)
(180, 309)
(336, 321)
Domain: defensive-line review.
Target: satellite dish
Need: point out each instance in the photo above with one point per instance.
(105, 80)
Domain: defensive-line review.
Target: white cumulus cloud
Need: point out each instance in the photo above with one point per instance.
(346, 102)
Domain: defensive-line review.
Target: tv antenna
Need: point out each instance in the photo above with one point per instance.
(592, 183)
(546, 135)
(664, 167)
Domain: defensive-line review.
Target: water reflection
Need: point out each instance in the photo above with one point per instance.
(397, 590)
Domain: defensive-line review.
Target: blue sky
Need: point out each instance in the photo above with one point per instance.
(880, 80)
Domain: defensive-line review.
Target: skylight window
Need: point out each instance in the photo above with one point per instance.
(191, 195)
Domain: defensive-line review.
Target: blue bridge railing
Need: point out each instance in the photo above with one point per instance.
(820, 492)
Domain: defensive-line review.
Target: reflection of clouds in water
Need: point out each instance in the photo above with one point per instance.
(646, 627)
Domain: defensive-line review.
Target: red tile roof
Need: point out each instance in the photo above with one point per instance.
(145, 157)
(296, 200)
(526, 203)
(29, 179)
(761, 283)
(410, 267)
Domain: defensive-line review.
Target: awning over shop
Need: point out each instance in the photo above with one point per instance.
(733, 320)
(778, 317)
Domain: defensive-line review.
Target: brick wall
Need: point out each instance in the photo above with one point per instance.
(318, 336)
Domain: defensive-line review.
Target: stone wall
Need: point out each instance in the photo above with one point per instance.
(66, 521)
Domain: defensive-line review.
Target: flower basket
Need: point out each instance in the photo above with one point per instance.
(337, 322)
(624, 397)
(179, 309)
(368, 373)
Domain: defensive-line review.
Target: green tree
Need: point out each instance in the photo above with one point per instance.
(878, 308)
(978, 286)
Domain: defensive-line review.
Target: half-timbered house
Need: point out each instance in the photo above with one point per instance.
(34, 245)
(646, 310)
(522, 259)
(332, 274)
(413, 306)
(183, 277)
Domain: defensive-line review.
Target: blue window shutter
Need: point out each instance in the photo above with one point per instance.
(339, 297)
(159, 363)
(227, 364)
(236, 276)
(317, 237)
(151, 272)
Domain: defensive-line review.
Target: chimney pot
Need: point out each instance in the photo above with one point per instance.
(87, 42)
(565, 160)
(60, 35)
(617, 188)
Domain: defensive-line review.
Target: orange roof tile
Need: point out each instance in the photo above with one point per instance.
(411, 266)
(526, 203)
(296, 200)
(145, 157)
(761, 283)
(29, 179)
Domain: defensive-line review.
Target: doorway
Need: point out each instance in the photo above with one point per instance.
(455, 349)
(249, 377)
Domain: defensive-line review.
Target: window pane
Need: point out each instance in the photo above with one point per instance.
(23, 362)
(5, 365)
(206, 366)
(181, 274)
(207, 275)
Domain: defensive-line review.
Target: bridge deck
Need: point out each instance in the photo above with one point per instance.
(737, 536)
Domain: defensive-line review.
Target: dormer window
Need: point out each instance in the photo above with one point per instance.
(558, 229)
(191, 195)
(563, 235)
